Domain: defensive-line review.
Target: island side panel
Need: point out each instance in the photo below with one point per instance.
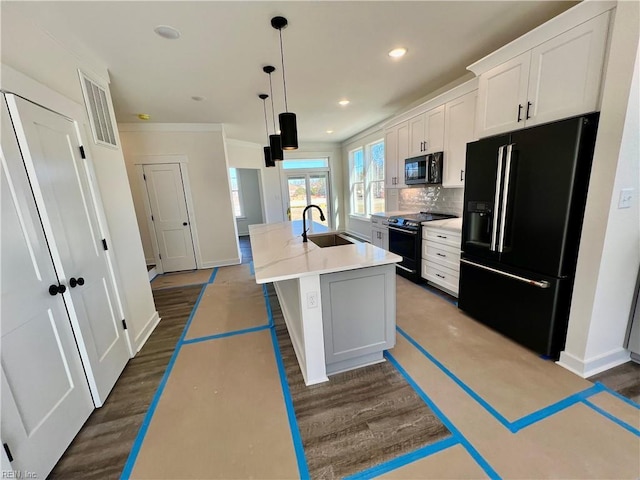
(304, 325)
(359, 316)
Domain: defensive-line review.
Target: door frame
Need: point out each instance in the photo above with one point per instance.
(182, 160)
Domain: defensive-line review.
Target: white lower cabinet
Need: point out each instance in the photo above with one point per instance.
(441, 258)
(379, 233)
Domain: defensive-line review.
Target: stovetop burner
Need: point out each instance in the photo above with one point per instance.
(413, 220)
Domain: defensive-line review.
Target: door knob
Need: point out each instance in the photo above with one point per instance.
(185, 223)
(57, 289)
(73, 282)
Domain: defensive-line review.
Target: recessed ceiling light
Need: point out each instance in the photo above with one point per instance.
(198, 98)
(329, 131)
(398, 52)
(144, 116)
(344, 102)
(165, 31)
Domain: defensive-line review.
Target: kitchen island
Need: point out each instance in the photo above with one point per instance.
(339, 302)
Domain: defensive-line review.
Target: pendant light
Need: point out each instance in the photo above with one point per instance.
(268, 161)
(288, 122)
(274, 140)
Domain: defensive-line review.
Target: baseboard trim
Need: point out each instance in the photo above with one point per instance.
(220, 263)
(588, 367)
(147, 330)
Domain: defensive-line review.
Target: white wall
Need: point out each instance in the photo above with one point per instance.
(610, 246)
(251, 199)
(54, 70)
(204, 147)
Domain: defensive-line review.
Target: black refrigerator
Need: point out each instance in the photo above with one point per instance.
(524, 200)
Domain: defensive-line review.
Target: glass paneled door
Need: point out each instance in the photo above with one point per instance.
(304, 189)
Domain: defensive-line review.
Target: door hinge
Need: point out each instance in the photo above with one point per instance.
(144, 177)
(7, 451)
(104, 244)
(160, 256)
(124, 324)
(82, 155)
(152, 218)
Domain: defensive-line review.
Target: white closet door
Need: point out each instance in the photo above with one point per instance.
(44, 393)
(51, 151)
(170, 216)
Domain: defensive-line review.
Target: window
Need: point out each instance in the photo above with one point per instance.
(366, 165)
(236, 199)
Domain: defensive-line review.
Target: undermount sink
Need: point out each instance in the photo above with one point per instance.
(332, 239)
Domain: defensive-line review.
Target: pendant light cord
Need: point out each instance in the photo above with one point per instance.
(266, 123)
(273, 110)
(284, 78)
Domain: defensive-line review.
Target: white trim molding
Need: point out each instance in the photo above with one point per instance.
(220, 263)
(146, 331)
(592, 366)
(170, 127)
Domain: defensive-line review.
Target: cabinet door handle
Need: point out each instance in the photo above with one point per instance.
(461, 177)
(527, 116)
(441, 236)
(441, 276)
(519, 112)
(441, 255)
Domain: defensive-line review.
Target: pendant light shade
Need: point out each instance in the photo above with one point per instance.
(275, 142)
(268, 161)
(288, 123)
(288, 130)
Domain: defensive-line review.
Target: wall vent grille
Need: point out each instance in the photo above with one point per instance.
(96, 99)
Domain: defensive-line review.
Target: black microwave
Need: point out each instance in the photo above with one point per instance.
(425, 169)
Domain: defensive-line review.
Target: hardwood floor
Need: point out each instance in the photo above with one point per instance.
(101, 448)
(357, 420)
(624, 379)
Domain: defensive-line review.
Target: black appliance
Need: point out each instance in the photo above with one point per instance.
(524, 200)
(425, 169)
(405, 239)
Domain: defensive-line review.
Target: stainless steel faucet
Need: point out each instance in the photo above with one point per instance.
(304, 220)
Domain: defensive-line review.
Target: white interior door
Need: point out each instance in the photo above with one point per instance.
(170, 216)
(51, 150)
(44, 394)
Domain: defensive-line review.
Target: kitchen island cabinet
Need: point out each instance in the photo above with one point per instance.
(338, 302)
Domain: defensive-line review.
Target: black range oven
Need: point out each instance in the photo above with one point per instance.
(405, 239)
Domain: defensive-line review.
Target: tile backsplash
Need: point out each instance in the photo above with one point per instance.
(431, 199)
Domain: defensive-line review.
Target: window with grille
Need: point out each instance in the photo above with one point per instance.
(366, 179)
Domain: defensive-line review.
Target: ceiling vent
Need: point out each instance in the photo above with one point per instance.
(96, 99)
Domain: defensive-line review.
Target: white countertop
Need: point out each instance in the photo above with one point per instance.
(453, 224)
(280, 254)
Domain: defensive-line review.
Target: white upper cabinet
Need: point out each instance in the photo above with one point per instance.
(556, 79)
(502, 92)
(566, 73)
(426, 132)
(396, 149)
(459, 129)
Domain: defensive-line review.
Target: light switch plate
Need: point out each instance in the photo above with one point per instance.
(626, 196)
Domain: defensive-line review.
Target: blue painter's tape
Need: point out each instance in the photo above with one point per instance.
(251, 269)
(405, 459)
(554, 408)
(225, 334)
(137, 444)
(268, 303)
(621, 397)
(613, 418)
(456, 433)
(459, 382)
(303, 469)
(213, 275)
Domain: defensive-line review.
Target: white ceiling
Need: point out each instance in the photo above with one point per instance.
(332, 50)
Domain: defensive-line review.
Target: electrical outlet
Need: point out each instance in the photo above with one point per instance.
(312, 299)
(626, 195)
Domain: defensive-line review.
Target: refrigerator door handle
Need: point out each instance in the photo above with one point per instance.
(536, 283)
(505, 197)
(496, 201)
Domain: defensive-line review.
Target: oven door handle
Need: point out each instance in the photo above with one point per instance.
(409, 232)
